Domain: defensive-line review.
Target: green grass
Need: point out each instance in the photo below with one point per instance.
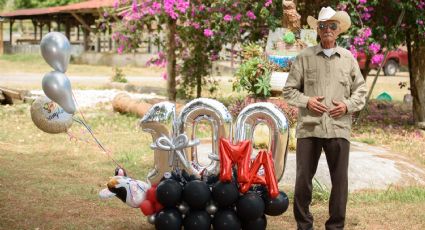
(50, 182)
(392, 194)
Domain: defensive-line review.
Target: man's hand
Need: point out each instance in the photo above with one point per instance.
(339, 110)
(316, 106)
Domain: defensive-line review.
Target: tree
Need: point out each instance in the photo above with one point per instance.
(25, 4)
(374, 28)
(196, 32)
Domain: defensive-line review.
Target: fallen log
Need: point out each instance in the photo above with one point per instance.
(123, 103)
(7, 95)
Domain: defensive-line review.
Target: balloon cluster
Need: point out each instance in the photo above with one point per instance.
(233, 191)
(56, 51)
(201, 204)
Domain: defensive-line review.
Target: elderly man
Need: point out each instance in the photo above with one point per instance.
(326, 85)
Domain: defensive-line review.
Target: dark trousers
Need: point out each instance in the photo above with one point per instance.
(308, 154)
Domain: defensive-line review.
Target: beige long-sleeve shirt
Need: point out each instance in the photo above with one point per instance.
(338, 78)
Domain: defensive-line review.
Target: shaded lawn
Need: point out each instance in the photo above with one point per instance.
(49, 182)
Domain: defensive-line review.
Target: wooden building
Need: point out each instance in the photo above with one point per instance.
(80, 18)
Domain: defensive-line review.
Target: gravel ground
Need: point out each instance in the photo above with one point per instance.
(88, 98)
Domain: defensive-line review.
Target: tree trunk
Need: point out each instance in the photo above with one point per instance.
(171, 60)
(366, 69)
(417, 84)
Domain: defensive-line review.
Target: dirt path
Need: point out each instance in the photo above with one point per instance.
(369, 168)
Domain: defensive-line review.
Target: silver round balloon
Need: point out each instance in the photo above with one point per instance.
(56, 50)
(269, 114)
(49, 116)
(183, 208)
(57, 87)
(151, 219)
(211, 209)
(220, 119)
(158, 121)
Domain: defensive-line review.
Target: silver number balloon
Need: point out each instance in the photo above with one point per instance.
(214, 112)
(158, 121)
(275, 119)
(49, 117)
(56, 50)
(57, 87)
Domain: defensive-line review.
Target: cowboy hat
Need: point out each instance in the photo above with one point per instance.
(327, 14)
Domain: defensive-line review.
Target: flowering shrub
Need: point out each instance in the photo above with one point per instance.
(199, 30)
(236, 106)
(373, 25)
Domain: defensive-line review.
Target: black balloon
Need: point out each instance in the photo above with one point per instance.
(225, 194)
(257, 224)
(196, 194)
(197, 220)
(276, 206)
(168, 193)
(226, 220)
(168, 219)
(250, 206)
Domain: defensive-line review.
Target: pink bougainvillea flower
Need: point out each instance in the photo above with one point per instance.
(359, 41)
(164, 75)
(196, 25)
(366, 33)
(116, 4)
(377, 59)
(238, 17)
(362, 1)
(366, 16)
(374, 48)
(208, 32)
(251, 15)
(120, 49)
(134, 6)
(268, 3)
(227, 18)
(353, 51)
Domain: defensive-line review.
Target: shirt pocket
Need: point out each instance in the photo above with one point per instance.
(344, 84)
(310, 85)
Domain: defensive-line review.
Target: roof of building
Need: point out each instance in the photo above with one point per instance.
(75, 7)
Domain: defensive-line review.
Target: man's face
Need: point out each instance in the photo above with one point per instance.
(328, 31)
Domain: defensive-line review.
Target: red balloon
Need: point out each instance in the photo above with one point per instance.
(231, 154)
(147, 208)
(263, 159)
(151, 194)
(151, 204)
(158, 207)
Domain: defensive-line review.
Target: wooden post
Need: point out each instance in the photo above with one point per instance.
(49, 26)
(1, 38)
(78, 32)
(110, 38)
(41, 30)
(68, 30)
(34, 23)
(10, 30)
(99, 42)
(59, 25)
(86, 36)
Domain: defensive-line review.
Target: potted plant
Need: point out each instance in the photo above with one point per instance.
(254, 77)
